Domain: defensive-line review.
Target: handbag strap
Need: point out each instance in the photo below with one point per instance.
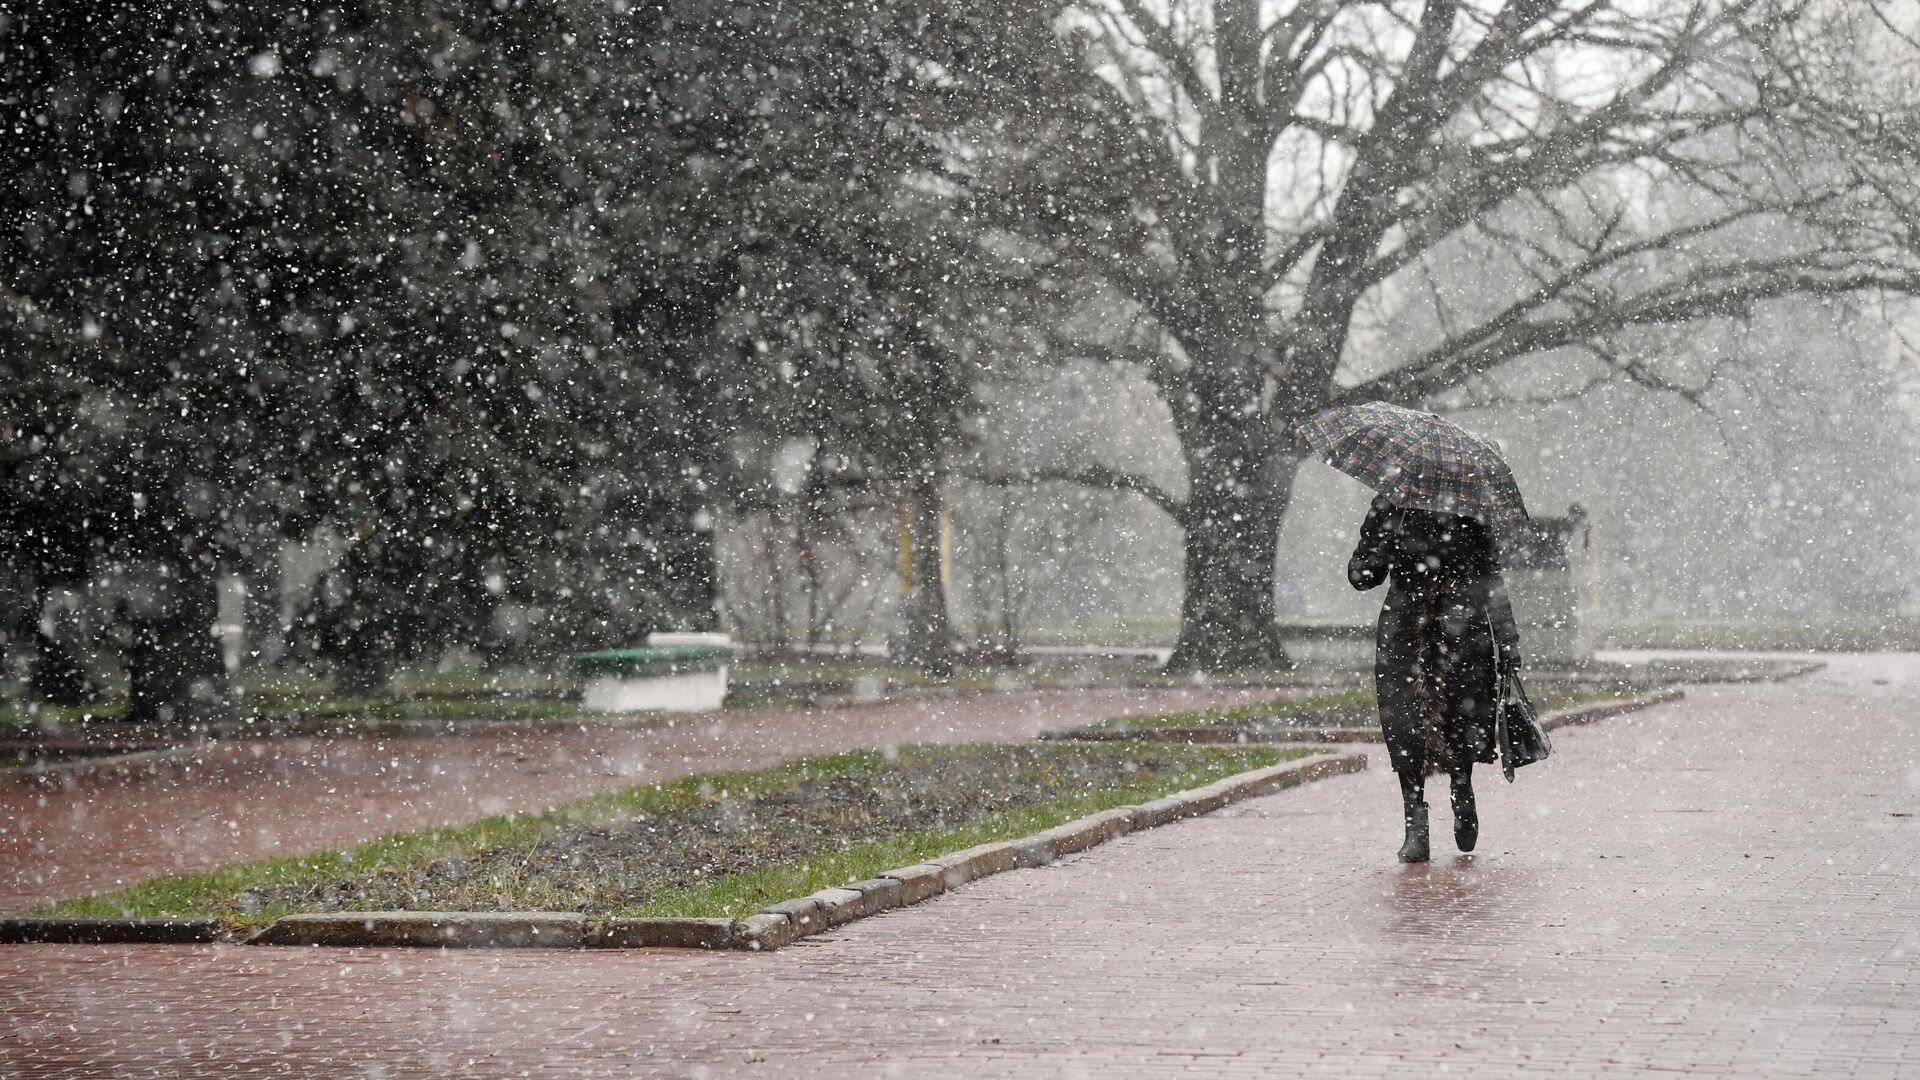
(1519, 687)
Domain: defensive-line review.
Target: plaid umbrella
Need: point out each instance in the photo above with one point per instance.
(1416, 459)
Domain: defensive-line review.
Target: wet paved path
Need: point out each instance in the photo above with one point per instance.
(261, 797)
(1725, 886)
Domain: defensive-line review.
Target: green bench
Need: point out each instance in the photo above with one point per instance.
(670, 675)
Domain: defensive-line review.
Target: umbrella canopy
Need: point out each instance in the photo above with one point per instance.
(1417, 460)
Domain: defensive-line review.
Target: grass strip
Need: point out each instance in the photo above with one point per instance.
(211, 892)
(1343, 708)
(825, 860)
(30, 716)
(1292, 709)
(742, 894)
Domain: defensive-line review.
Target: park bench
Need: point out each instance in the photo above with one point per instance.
(672, 672)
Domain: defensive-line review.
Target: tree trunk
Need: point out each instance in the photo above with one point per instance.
(1009, 602)
(1236, 499)
(926, 639)
(353, 624)
(780, 629)
(362, 673)
(57, 676)
(688, 571)
(55, 551)
(266, 637)
(174, 669)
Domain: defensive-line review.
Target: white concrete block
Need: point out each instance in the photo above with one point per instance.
(690, 691)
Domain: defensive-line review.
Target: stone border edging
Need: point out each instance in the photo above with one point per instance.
(106, 764)
(773, 927)
(444, 929)
(223, 738)
(88, 930)
(1559, 718)
(1601, 710)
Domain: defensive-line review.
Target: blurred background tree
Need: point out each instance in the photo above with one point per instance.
(495, 317)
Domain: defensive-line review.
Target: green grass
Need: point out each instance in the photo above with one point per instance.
(1278, 710)
(412, 708)
(209, 892)
(800, 675)
(31, 715)
(213, 892)
(1349, 707)
(416, 694)
(787, 682)
(797, 677)
(745, 893)
(26, 715)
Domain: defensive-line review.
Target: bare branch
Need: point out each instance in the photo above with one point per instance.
(1096, 476)
(1156, 37)
(1723, 291)
(1383, 163)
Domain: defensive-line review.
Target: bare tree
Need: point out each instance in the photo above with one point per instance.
(1026, 541)
(819, 548)
(1250, 182)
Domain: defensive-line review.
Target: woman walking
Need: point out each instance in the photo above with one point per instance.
(1445, 633)
(1446, 638)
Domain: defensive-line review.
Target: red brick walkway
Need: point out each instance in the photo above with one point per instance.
(282, 796)
(1720, 887)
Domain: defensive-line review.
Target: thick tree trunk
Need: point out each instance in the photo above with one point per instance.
(1227, 617)
(54, 549)
(1237, 491)
(926, 638)
(688, 573)
(175, 672)
(58, 676)
(354, 624)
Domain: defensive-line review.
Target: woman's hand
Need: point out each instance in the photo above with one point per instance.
(1369, 565)
(1510, 655)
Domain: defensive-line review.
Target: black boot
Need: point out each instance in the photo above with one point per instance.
(1466, 817)
(1414, 805)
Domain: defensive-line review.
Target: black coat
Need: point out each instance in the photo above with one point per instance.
(1436, 660)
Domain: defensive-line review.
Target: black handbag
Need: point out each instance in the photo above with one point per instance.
(1517, 727)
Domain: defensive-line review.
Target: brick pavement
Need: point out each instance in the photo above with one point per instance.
(1724, 886)
(282, 796)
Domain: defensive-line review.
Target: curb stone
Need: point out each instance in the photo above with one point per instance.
(764, 933)
(803, 912)
(1150, 815)
(84, 930)
(880, 894)
(983, 860)
(1032, 851)
(430, 929)
(1587, 714)
(660, 933)
(1094, 829)
(1205, 801)
(840, 906)
(917, 882)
